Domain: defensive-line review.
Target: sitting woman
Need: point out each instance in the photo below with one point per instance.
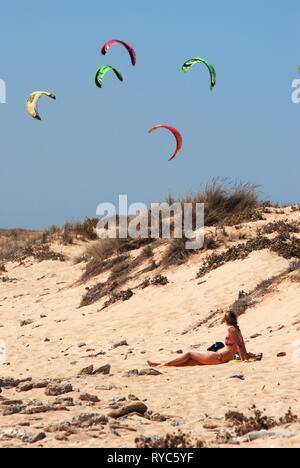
(234, 344)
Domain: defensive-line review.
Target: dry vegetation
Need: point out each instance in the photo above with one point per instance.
(285, 245)
(170, 441)
(15, 242)
(122, 260)
(18, 244)
(228, 206)
(237, 426)
(242, 425)
(121, 269)
(222, 206)
(282, 227)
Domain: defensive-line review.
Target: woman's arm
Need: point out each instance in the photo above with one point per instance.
(239, 341)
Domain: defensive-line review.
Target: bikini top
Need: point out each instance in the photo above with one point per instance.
(228, 342)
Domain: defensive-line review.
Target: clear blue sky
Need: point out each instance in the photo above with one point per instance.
(93, 144)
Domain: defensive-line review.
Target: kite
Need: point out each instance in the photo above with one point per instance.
(129, 48)
(32, 103)
(176, 134)
(213, 77)
(100, 74)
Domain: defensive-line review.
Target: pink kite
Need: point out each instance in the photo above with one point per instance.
(176, 134)
(129, 48)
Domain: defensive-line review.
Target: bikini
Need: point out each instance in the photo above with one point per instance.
(229, 344)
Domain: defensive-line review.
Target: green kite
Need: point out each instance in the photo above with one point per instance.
(100, 74)
(213, 77)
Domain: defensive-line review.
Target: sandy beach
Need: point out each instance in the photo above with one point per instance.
(50, 340)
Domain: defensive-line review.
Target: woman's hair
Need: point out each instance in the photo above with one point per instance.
(231, 319)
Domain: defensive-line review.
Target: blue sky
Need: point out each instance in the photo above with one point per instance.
(93, 145)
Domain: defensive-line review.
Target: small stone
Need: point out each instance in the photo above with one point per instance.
(115, 406)
(25, 323)
(118, 399)
(106, 388)
(210, 427)
(12, 403)
(137, 407)
(132, 373)
(25, 387)
(57, 390)
(86, 371)
(149, 372)
(14, 433)
(65, 427)
(133, 398)
(238, 377)
(175, 423)
(89, 420)
(10, 382)
(253, 337)
(31, 409)
(105, 370)
(67, 402)
(14, 409)
(37, 438)
(156, 417)
(40, 384)
(89, 398)
(120, 344)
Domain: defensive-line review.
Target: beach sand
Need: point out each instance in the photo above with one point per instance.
(61, 339)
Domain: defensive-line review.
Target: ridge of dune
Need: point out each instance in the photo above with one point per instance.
(58, 339)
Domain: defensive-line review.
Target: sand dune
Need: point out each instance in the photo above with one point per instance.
(58, 339)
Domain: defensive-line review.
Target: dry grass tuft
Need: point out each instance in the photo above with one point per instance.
(281, 227)
(284, 245)
(170, 441)
(225, 205)
(120, 267)
(239, 252)
(231, 205)
(259, 421)
(176, 253)
(160, 280)
(16, 245)
(85, 231)
(122, 296)
(109, 254)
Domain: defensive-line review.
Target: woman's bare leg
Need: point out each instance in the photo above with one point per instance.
(175, 363)
(200, 359)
